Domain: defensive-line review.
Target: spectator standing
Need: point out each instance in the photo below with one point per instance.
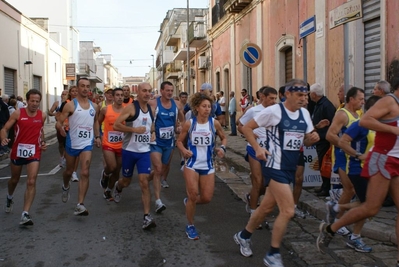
(324, 110)
(244, 101)
(222, 104)
(232, 113)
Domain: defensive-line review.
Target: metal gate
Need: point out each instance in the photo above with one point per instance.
(372, 44)
(37, 82)
(9, 81)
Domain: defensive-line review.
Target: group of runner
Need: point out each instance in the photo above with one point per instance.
(143, 133)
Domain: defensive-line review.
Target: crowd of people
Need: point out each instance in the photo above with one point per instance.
(142, 133)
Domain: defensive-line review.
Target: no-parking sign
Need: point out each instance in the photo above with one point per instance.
(250, 55)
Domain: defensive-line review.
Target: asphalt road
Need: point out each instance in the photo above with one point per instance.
(112, 236)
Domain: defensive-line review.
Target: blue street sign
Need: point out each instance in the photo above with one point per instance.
(307, 27)
(251, 55)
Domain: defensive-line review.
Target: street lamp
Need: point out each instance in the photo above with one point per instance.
(153, 78)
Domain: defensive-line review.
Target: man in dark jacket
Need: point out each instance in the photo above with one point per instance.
(4, 116)
(324, 110)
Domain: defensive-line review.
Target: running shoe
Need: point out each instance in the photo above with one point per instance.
(26, 219)
(358, 245)
(148, 222)
(324, 238)
(164, 184)
(81, 210)
(108, 196)
(159, 207)
(331, 213)
(247, 198)
(299, 213)
(335, 194)
(343, 231)
(245, 245)
(117, 194)
(74, 177)
(9, 204)
(62, 162)
(274, 260)
(191, 232)
(65, 194)
(104, 180)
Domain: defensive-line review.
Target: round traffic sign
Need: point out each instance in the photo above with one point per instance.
(250, 55)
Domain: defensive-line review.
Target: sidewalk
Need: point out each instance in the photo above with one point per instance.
(381, 227)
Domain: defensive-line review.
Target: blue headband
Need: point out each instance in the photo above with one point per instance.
(302, 89)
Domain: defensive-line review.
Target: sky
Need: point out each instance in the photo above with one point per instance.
(127, 29)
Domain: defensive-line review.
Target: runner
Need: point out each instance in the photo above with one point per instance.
(53, 111)
(137, 122)
(288, 126)
(111, 142)
(29, 143)
(199, 172)
(167, 111)
(83, 130)
(268, 96)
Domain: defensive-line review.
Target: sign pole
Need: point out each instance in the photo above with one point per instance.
(305, 60)
(249, 75)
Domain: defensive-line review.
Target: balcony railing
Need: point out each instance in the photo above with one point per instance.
(218, 12)
(197, 34)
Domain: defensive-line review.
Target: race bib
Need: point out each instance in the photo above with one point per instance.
(201, 138)
(142, 138)
(84, 133)
(261, 141)
(115, 137)
(293, 141)
(26, 150)
(166, 132)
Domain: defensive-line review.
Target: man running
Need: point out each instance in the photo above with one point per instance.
(111, 143)
(288, 126)
(83, 130)
(126, 96)
(167, 111)
(137, 122)
(29, 143)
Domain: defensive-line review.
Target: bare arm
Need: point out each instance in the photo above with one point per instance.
(311, 138)
(97, 139)
(219, 131)
(339, 121)
(382, 109)
(127, 112)
(247, 130)
(102, 114)
(182, 137)
(50, 112)
(66, 112)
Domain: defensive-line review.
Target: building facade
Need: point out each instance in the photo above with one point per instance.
(274, 26)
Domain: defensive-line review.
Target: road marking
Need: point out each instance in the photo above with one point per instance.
(52, 172)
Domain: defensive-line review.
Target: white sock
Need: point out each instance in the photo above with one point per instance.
(354, 236)
(9, 196)
(158, 201)
(336, 207)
